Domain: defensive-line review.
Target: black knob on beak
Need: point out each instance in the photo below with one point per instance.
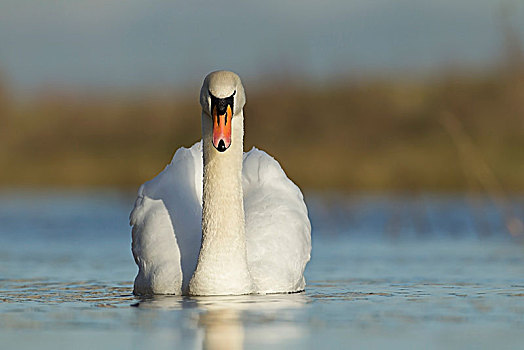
(221, 146)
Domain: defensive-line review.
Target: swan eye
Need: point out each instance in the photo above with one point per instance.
(221, 103)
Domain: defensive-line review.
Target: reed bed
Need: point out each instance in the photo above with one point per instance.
(458, 132)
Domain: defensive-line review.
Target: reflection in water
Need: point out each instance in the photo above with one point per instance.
(223, 319)
(223, 329)
(66, 281)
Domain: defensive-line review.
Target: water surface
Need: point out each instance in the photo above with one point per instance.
(396, 272)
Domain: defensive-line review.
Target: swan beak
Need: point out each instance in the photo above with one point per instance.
(222, 129)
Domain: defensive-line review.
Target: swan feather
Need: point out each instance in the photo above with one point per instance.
(167, 216)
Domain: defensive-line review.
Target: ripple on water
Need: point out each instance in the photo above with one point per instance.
(397, 293)
(50, 292)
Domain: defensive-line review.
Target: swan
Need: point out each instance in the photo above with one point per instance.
(216, 220)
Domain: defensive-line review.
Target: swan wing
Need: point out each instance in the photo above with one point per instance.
(278, 230)
(166, 222)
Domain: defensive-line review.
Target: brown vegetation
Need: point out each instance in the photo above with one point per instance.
(372, 135)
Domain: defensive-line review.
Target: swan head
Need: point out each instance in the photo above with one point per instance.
(222, 98)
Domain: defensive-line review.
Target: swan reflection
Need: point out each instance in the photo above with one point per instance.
(231, 322)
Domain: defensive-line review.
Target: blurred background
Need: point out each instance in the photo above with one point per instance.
(347, 95)
(401, 121)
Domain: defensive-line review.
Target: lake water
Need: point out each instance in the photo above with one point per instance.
(432, 272)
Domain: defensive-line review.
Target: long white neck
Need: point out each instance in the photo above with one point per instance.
(222, 264)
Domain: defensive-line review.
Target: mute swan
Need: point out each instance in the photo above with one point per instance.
(216, 220)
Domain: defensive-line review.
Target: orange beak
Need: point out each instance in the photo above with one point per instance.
(222, 129)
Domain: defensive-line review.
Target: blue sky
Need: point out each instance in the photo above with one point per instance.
(147, 43)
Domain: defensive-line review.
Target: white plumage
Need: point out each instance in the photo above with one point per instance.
(167, 223)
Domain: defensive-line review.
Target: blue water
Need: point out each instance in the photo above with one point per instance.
(432, 272)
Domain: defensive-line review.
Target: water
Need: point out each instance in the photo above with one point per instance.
(427, 272)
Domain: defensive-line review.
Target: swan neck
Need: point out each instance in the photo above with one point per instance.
(222, 263)
(222, 196)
